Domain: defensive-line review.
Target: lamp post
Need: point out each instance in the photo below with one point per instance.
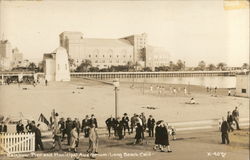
(116, 85)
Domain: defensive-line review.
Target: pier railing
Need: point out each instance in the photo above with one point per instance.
(110, 75)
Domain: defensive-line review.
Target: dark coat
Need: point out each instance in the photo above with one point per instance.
(85, 123)
(125, 121)
(110, 122)
(224, 127)
(19, 128)
(151, 123)
(93, 121)
(37, 132)
(157, 135)
(138, 132)
(164, 140)
(69, 126)
(3, 128)
(229, 118)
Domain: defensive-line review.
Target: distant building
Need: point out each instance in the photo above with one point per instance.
(104, 53)
(156, 57)
(17, 58)
(9, 58)
(5, 55)
(56, 65)
(242, 84)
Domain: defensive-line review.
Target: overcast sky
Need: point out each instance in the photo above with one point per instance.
(189, 30)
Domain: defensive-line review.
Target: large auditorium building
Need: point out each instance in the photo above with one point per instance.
(104, 53)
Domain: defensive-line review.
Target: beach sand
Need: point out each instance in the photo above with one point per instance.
(98, 98)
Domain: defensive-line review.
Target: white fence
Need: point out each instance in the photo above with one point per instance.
(11, 143)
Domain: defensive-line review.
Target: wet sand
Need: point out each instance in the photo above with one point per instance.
(70, 101)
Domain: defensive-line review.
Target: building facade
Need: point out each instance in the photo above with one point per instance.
(242, 85)
(17, 58)
(5, 55)
(156, 57)
(104, 53)
(56, 65)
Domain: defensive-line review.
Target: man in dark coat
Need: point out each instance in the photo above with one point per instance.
(236, 115)
(138, 134)
(20, 127)
(119, 128)
(62, 128)
(151, 125)
(125, 121)
(93, 120)
(38, 140)
(110, 122)
(28, 127)
(86, 126)
(230, 121)
(224, 131)
(69, 127)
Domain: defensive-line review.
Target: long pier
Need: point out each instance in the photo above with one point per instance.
(113, 75)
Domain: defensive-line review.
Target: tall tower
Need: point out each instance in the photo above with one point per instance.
(139, 41)
(71, 42)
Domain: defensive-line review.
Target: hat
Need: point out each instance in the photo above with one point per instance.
(92, 115)
(125, 114)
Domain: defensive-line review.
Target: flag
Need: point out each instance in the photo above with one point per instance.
(43, 119)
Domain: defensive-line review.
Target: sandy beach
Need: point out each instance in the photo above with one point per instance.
(69, 100)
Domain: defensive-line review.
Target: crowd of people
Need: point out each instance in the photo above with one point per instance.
(229, 125)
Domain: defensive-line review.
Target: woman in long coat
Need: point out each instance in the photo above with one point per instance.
(164, 140)
(157, 135)
(138, 134)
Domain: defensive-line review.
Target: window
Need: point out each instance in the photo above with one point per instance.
(243, 91)
(96, 56)
(110, 56)
(58, 66)
(117, 56)
(89, 56)
(96, 61)
(110, 61)
(103, 55)
(66, 66)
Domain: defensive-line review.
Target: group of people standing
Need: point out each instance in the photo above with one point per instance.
(72, 128)
(227, 125)
(140, 124)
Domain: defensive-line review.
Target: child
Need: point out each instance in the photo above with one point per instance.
(172, 132)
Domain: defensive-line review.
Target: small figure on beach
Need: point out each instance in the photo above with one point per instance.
(229, 92)
(192, 101)
(224, 131)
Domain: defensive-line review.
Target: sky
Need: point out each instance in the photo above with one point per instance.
(189, 30)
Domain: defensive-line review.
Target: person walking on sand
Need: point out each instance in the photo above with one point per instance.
(125, 121)
(74, 140)
(230, 121)
(110, 123)
(138, 134)
(164, 140)
(236, 115)
(151, 125)
(93, 141)
(93, 120)
(86, 126)
(157, 136)
(224, 131)
(69, 126)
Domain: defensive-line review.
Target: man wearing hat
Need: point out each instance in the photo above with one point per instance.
(151, 125)
(125, 121)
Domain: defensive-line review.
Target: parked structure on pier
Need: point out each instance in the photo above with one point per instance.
(56, 65)
(104, 53)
